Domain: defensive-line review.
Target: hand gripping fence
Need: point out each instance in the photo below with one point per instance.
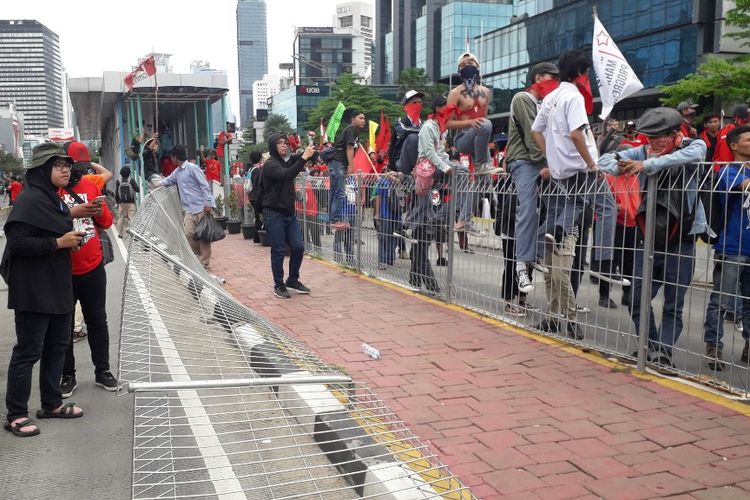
(227, 405)
(460, 243)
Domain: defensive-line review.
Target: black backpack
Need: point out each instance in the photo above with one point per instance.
(126, 192)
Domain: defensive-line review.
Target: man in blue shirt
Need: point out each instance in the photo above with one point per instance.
(732, 250)
(195, 197)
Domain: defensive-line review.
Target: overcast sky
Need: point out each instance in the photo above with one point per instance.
(97, 36)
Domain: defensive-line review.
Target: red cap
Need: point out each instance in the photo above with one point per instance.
(80, 153)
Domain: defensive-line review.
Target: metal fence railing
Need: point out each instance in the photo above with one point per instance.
(229, 406)
(459, 242)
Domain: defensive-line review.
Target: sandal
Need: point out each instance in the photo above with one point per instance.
(65, 411)
(16, 429)
(79, 335)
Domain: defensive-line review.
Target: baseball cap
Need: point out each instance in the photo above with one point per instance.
(410, 94)
(659, 121)
(541, 68)
(80, 154)
(686, 105)
(42, 153)
(741, 111)
(468, 55)
(630, 124)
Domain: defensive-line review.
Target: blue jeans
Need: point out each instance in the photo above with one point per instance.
(475, 142)
(386, 241)
(284, 230)
(525, 175)
(730, 271)
(587, 188)
(674, 271)
(337, 196)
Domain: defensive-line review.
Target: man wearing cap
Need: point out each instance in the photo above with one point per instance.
(739, 117)
(402, 152)
(688, 110)
(674, 158)
(710, 133)
(80, 154)
(527, 164)
(469, 102)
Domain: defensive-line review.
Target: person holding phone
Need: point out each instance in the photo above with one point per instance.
(37, 267)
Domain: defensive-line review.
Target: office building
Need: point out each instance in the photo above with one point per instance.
(252, 50)
(322, 54)
(11, 130)
(296, 103)
(357, 18)
(263, 89)
(31, 74)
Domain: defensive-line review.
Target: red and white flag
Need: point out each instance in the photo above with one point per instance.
(144, 70)
(615, 77)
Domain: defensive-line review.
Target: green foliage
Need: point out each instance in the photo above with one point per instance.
(10, 164)
(219, 206)
(234, 206)
(353, 94)
(417, 79)
(739, 17)
(249, 145)
(723, 79)
(277, 124)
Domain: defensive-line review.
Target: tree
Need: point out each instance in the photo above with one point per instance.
(722, 79)
(10, 164)
(739, 17)
(248, 144)
(277, 124)
(418, 79)
(352, 94)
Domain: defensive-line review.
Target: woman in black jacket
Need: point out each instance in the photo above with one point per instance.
(36, 265)
(279, 219)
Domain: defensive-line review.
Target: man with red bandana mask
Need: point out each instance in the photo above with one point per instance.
(739, 117)
(402, 152)
(672, 154)
(526, 164)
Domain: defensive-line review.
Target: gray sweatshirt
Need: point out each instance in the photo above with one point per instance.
(432, 145)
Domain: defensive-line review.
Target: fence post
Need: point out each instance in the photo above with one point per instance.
(451, 234)
(358, 220)
(648, 271)
(303, 191)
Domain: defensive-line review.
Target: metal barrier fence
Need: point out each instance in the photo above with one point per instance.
(473, 224)
(227, 405)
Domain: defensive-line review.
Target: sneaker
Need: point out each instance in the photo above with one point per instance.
(713, 355)
(441, 262)
(514, 311)
(582, 309)
(106, 380)
(382, 267)
(528, 307)
(574, 331)
(607, 303)
(524, 282)
(340, 226)
(68, 384)
(468, 250)
(547, 325)
(540, 267)
(745, 354)
(281, 292)
(738, 326)
(406, 235)
(555, 239)
(298, 287)
(602, 269)
(486, 169)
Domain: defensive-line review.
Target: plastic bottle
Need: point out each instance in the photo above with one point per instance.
(370, 351)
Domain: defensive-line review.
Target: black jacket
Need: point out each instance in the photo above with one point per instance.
(278, 179)
(403, 128)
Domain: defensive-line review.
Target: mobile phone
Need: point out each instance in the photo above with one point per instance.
(99, 200)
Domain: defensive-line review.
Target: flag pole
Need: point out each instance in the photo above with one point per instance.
(596, 14)
(156, 97)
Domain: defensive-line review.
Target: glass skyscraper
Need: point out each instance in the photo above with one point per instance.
(31, 74)
(252, 51)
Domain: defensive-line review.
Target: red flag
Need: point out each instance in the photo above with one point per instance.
(362, 162)
(384, 134)
(149, 65)
(144, 70)
(294, 141)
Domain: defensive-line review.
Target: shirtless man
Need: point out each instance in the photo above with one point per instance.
(471, 100)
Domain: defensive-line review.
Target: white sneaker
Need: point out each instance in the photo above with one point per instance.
(486, 169)
(540, 267)
(524, 282)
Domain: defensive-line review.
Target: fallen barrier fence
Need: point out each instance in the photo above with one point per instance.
(227, 405)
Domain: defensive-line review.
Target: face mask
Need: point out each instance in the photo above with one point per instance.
(584, 87)
(75, 177)
(660, 146)
(469, 75)
(413, 111)
(545, 88)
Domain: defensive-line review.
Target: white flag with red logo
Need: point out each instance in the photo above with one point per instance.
(144, 70)
(615, 77)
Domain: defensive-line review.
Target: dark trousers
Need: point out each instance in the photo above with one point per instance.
(284, 230)
(258, 226)
(38, 337)
(627, 239)
(91, 290)
(386, 241)
(421, 270)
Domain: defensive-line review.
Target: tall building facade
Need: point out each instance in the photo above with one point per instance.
(31, 74)
(322, 54)
(269, 86)
(252, 50)
(358, 18)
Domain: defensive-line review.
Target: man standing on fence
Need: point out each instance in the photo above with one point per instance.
(674, 158)
(343, 160)
(195, 197)
(731, 251)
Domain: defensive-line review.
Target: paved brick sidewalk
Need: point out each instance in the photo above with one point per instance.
(510, 415)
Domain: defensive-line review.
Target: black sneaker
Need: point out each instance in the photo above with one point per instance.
(574, 331)
(607, 302)
(298, 287)
(547, 325)
(68, 384)
(281, 292)
(555, 239)
(106, 381)
(441, 262)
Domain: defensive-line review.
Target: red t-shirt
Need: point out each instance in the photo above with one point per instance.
(640, 140)
(722, 152)
(213, 170)
(89, 256)
(223, 139)
(167, 167)
(14, 189)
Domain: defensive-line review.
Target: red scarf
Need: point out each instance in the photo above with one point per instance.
(413, 111)
(660, 146)
(584, 87)
(545, 88)
(443, 116)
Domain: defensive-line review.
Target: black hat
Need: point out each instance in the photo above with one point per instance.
(686, 105)
(437, 101)
(541, 68)
(659, 121)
